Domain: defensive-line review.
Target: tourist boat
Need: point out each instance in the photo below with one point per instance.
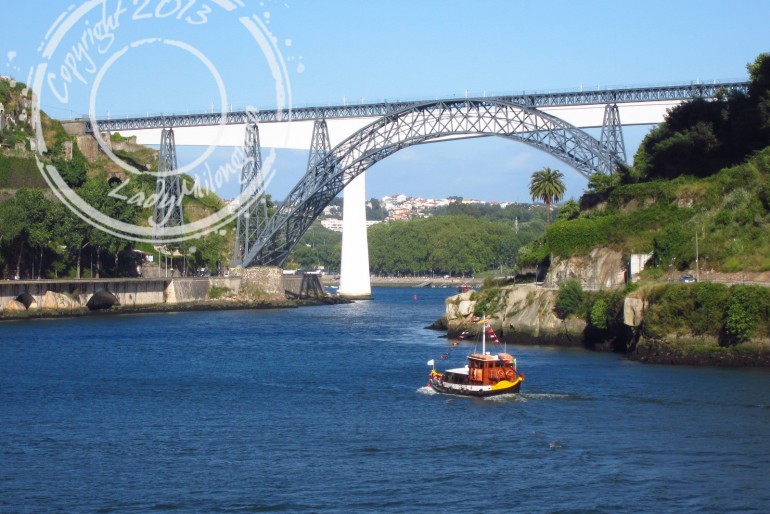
(484, 374)
(464, 288)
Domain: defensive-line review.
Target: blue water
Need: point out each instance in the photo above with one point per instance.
(324, 409)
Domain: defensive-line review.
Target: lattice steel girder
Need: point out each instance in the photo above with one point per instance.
(253, 213)
(168, 191)
(416, 125)
(372, 110)
(612, 133)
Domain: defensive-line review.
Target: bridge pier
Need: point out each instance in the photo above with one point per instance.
(253, 215)
(612, 133)
(354, 268)
(168, 191)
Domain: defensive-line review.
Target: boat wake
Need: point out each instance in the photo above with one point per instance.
(549, 396)
(426, 390)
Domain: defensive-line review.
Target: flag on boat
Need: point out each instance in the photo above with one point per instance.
(431, 362)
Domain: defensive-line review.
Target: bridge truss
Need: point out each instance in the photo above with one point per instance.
(263, 240)
(418, 124)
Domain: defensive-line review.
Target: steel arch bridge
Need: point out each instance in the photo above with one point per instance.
(413, 125)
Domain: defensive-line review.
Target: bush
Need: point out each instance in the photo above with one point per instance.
(570, 299)
(533, 254)
(216, 292)
(599, 314)
(573, 237)
(745, 307)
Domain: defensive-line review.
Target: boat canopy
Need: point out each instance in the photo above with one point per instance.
(481, 357)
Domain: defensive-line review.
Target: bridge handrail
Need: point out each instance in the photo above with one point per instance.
(564, 98)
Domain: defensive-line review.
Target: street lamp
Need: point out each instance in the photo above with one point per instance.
(697, 268)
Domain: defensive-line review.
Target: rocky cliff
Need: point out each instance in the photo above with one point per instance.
(601, 269)
(520, 314)
(525, 313)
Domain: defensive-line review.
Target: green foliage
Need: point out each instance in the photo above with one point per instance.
(375, 211)
(5, 91)
(73, 172)
(216, 292)
(547, 185)
(319, 246)
(570, 299)
(745, 307)
(534, 254)
(443, 245)
(524, 213)
(598, 315)
(487, 301)
(733, 314)
(210, 251)
(569, 210)
(700, 137)
(115, 137)
(578, 236)
(18, 172)
(599, 182)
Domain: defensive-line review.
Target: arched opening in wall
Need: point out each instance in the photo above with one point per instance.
(26, 299)
(114, 181)
(102, 299)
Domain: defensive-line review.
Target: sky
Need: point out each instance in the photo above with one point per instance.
(137, 57)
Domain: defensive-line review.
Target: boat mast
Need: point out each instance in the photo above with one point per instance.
(484, 335)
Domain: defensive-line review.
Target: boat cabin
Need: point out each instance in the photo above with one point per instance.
(489, 369)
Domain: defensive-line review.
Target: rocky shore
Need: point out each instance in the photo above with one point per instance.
(525, 315)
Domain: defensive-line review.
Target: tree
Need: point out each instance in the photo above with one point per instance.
(547, 185)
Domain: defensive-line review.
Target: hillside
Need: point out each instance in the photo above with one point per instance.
(697, 199)
(653, 208)
(39, 237)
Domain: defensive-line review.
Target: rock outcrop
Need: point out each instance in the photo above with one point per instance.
(601, 269)
(59, 301)
(633, 309)
(522, 314)
(15, 306)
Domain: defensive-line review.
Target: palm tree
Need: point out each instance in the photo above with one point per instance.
(547, 185)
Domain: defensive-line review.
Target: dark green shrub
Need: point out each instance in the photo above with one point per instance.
(745, 306)
(574, 237)
(599, 314)
(570, 299)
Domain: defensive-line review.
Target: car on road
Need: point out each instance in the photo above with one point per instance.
(687, 278)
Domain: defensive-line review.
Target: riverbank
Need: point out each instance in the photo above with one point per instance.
(207, 305)
(433, 282)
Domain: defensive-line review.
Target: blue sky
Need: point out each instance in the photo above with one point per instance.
(335, 51)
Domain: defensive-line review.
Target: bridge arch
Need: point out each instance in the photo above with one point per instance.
(413, 125)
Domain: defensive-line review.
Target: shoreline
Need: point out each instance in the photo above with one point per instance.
(421, 282)
(207, 305)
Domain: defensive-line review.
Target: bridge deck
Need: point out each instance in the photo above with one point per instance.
(368, 110)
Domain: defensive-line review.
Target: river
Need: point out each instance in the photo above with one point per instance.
(324, 409)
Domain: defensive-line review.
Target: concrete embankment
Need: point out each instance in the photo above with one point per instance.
(243, 288)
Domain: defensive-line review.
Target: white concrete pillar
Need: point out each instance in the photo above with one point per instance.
(354, 268)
